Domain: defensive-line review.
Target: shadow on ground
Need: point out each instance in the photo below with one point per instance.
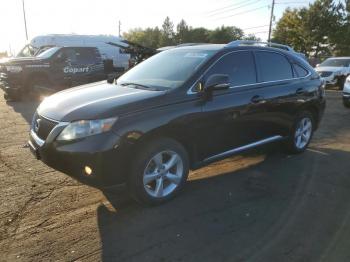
(25, 108)
(282, 208)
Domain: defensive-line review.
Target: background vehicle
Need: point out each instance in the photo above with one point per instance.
(346, 93)
(160, 120)
(55, 69)
(334, 70)
(41, 43)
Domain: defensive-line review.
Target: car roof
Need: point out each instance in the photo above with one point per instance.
(202, 47)
(342, 57)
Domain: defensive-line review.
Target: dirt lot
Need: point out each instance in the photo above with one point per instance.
(261, 206)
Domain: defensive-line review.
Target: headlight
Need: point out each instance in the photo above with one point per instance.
(84, 128)
(14, 69)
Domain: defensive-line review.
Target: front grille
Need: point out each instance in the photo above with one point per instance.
(325, 74)
(42, 126)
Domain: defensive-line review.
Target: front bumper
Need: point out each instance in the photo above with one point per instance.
(10, 84)
(330, 80)
(103, 153)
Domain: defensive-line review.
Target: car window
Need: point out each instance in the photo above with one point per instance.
(68, 54)
(333, 62)
(239, 66)
(86, 56)
(168, 69)
(273, 66)
(301, 71)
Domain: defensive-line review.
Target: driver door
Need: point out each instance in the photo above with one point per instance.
(232, 117)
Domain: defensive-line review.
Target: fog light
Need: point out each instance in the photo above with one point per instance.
(88, 170)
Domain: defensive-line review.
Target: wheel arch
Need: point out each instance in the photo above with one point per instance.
(179, 134)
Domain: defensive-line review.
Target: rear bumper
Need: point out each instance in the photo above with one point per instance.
(102, 153)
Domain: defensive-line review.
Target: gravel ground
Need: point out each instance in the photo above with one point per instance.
(259, 206)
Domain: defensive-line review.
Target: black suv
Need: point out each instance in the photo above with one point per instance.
(178, 110)
(52, 70)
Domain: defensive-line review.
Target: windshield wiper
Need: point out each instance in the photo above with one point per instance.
(137, 85)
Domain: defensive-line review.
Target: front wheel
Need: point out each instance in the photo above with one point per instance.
(346, 103)
(301, 133)
(159, 171)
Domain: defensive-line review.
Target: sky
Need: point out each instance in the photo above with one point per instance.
(102, 16)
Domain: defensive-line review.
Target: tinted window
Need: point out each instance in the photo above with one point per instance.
(86, 56)
(273, 66)
(67, 54)
(300, 70)
(239, 66)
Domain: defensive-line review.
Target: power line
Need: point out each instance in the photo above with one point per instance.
(254, 27)
(244, 12)
(225, 7)
(235, 8)
(288, 3)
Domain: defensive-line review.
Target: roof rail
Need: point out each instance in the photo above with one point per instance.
(257, 43)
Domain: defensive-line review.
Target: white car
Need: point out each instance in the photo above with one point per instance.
(346, 92)
(334, 70)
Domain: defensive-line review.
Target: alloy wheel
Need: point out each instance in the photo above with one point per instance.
(163, 174)
(303, 133)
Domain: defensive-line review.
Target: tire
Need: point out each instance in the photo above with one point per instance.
(301, 133)
(341, 82)
(151, 181)
(346, 103)
(13, 97)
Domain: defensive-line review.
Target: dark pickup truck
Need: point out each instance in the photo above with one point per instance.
(55, 69)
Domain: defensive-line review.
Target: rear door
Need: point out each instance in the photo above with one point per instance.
(281, 89)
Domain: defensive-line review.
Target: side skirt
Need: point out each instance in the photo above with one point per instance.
(237, 150)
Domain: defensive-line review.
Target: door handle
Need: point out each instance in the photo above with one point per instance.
(257, 99)
(300, 91)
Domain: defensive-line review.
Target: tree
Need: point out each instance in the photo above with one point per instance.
(149, 37)
(182, 32)
(168, 34)
(251, 37)
(314, 30)
(225, 34)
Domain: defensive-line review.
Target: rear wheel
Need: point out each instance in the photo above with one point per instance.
(13, 97)
(159, 171)
(346, 103)
(341, 82)
(301, 133)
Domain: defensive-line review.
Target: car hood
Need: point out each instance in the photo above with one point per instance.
(22, 60)
(97, 101)
(328, 69)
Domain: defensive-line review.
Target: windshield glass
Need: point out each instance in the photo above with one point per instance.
(48, 53)
(27, 51)
(168, 69)
(336, 62)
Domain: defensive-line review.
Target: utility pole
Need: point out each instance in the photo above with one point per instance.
(25, 20)
(271, 18)
(119, 27)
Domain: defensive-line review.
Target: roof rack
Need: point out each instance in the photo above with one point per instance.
(257, 43)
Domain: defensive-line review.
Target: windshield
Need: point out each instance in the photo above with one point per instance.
(336, 62)
(49, 52)
(168, 69)
(27, 51)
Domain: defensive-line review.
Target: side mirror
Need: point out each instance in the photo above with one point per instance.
(110, 78)
(217, 82)
(317, 65)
